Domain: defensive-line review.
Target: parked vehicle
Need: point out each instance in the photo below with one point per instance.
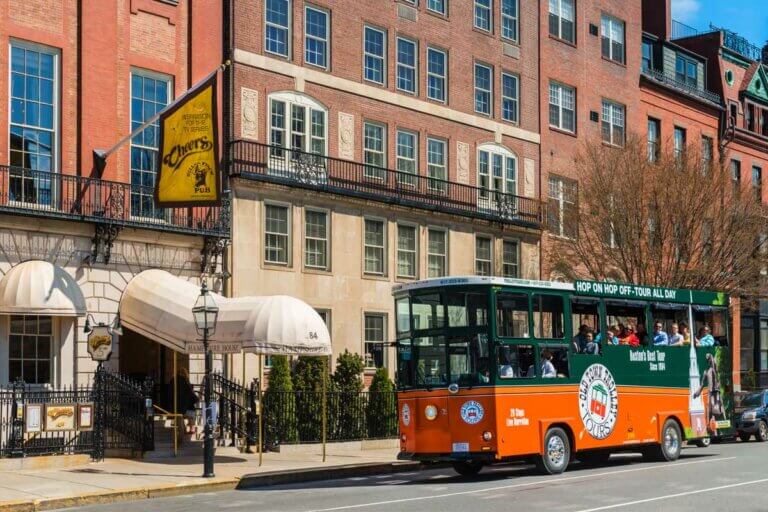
(752, 417)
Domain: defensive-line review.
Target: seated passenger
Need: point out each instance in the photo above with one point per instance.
(660, 338)
(675, 338)
(609, 338)
(642, 333)
(590, 347)
(686, 332)
(547, 368)
(705, 339)
(579, 342)
(505, 367)
(629, 337)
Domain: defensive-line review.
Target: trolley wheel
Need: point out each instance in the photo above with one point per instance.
(762, 432)
(703, 443)
(671, 444)
(593, 458)
(744, 437)
(468, 468)
(557, 452)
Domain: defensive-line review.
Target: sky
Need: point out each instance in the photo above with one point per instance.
(748, 18)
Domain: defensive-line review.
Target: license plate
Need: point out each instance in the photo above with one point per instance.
(460, 447)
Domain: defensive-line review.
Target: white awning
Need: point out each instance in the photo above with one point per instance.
(158, 305)
(40, 288)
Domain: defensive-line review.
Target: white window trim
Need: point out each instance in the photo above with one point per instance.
(328, 238)
(612, 105)
(561, 183)
(415, 159)
(416, 252)
(474, 255)
(515, 99)
(560, 18)
(444, 142)
(517, 243)
(559, 105)
(445, 8)
(611, 20)
(492, 148)
(327, 40)
(56, 374)
(446, 233)
(385, 248)
(383, 57)
(384, 128)
(289, 40)
(489, 91)
(297, 98)
(289, 248)
(385, 327)
(444, 77)
(415, 67)
(516, 39)
(475, 5)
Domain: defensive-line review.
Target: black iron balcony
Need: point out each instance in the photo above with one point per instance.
(658, 76)
(62, 196)
(293, 168)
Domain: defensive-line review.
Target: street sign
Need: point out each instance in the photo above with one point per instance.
(100, 343)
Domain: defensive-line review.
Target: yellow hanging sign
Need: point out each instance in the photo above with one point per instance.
(188, 164)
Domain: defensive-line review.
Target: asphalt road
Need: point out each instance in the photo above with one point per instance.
(723, 477)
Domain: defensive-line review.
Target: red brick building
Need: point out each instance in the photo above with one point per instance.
(78, 76)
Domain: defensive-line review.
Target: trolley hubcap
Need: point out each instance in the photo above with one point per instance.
(762, 430)
(671, 441)
(556, 450)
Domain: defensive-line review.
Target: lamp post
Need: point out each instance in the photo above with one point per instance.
(206, 314)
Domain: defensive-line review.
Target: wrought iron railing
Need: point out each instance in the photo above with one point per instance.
(45, 194)
(276, 164)
(659, 76)
(236, 410)
(731, 40)
(681, 30)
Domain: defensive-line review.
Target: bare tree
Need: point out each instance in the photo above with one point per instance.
(664, 218)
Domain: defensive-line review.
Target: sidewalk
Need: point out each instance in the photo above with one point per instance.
(127, 479)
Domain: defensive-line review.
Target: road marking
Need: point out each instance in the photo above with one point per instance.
(549, 481)
(678, 495)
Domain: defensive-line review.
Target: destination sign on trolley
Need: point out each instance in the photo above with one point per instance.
(652, 293)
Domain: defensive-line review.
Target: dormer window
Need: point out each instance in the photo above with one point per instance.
(686, 71)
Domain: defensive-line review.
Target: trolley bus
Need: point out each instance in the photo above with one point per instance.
(476, 386)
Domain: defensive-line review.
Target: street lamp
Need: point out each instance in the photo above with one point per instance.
(206, 313)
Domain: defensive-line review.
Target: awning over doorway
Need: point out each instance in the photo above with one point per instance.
(158, 305)
(40, 288)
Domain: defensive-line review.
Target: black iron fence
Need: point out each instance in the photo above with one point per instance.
(236, 410)
(307, 170)
(661, 77)
(112, 413)
(46, 194)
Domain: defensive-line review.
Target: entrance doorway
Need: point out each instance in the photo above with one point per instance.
(141, 357)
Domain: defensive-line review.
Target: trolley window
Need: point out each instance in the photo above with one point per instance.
(517, 362)
(428, 312)
(548, 316)
(467, 309)
(512, 315)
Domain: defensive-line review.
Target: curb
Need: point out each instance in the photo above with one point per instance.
(249, 481)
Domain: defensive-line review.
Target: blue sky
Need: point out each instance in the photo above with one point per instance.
(749, 18)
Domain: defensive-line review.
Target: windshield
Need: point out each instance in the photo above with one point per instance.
(755, 400)
(437, 361)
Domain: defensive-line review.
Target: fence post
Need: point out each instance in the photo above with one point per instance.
(250, 415)
(17, 419)
(100, 426)
(149, 427)
(261, 421)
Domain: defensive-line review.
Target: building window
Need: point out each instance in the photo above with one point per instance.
(757, 182)
(654, 139)
(483, 13)
(510, 97)
(483, 89)
(509, 19)
(685, 71)
(436, 164)
(707, 149)
(406, 65)
(407, 157)
(736, 176)
(407, 251)
(374, 153)
(749, 117)
(562, 20)
(436, 74)
(33, 124)
(483, 256)
(276, 33)
(612, 38)
(562, 207)
(316, 27)
(647, 56)
(510, 259)
(496, 171)
(316, 239)
(374, 55)
(437, 253)
(29, 349)
(297, 122)
(150, 93)
(680, 137)
(562, 107)
(438, 6)
(375, 336)
(277, 234)
(375, 246)
(613, 123)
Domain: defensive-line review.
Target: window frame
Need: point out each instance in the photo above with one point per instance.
(560, 17)
(515, 19)
(493, 152)
(53, 348)
(327, 40)
(504, 263)
(440, 186)
(490, 239)
(605, 17)
(406, 177)
(414, 251)
(679, 151)
(380, 171)
(444, 78)
(288, 29)
(515, 100)
(289, 233)
(653, 145)
(327, 240)
(562, 182)
(679, 57)
(444, 256)
(612, 107)
(488, 92)
(290, 99)
(476, 4)
(384, 248)
(757, 182)
(444, 12)
(383, 343)
(399, 65)
(562, 88)
(383, 57)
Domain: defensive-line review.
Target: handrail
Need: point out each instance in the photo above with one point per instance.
(171, 415)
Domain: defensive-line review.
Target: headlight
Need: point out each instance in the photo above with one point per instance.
(430, 412)
(487, 436)
(749, 416)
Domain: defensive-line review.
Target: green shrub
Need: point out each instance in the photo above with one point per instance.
(280, 405)
(308, 376)
(348, 403)
(381, 414)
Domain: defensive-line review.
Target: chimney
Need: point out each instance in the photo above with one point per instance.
(657, 18)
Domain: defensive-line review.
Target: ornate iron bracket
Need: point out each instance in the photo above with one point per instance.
(103, 240)
(213, 248)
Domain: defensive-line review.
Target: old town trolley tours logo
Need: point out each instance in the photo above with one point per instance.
(472, 412)
(598, 401)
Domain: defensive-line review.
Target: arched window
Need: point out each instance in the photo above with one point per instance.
(297, 122)
(496, 175)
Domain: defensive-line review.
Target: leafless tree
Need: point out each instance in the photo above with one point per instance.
(665, 218)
